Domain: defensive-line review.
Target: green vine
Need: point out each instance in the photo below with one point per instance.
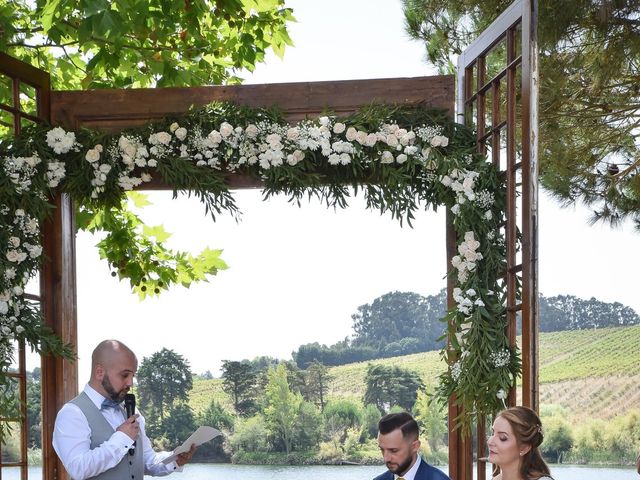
(401, 158)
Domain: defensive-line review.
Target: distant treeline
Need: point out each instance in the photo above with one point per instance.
(401, 323)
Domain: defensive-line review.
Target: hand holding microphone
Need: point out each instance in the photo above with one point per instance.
(130, 408)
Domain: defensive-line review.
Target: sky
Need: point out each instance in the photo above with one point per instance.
(296, 275)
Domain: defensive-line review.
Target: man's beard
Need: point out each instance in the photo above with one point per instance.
(402, 467)
(115, 396)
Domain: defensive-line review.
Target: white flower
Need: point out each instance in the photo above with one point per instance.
(361, 137)
(14, 242)
(401, 158)
(10, 273)
(293, 133)
(488, 215)
(501, 394)
(324, 121)
(145, 177)
(163, 137)
(16, 256)
(392, 140)
(214, 137)
(351, 134)
(181, 133)
(18, 290)
(387, 157)
(92, 155)
(152, 162)
(338, 128)
(35, 251)
(19, 329)
(446, 181)
(251, 131)
(439, 141)
(226, 129)
(173, 127)
(4, 307)
(60, 141)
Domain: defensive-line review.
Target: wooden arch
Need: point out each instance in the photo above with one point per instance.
(116, 109)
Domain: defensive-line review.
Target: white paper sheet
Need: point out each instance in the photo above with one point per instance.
(200, 436)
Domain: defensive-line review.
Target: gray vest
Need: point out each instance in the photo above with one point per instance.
(131, 467)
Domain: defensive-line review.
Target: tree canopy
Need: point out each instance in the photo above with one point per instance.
(589, 91)
(142, 43)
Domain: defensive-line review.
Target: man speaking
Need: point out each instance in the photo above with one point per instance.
(94, 436)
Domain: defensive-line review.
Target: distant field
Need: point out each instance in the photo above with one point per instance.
(594, 372)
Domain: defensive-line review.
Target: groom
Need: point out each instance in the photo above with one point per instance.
(399, 443)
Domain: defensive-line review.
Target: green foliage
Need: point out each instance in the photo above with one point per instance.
(164, 380)
(558, 438)
(616, 442)
(394, 318)
(250, 435)
(317, 382)
(431, 418)
(340, 416)
(134, 43)
(282, 407)
(177, 425)
(137, 252)
(589, 97)
(388, 387)
(239, 382)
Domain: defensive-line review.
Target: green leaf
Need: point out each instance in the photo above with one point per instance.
(48, 12)
(158, 232)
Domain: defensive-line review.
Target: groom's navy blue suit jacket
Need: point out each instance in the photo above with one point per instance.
(425, 472)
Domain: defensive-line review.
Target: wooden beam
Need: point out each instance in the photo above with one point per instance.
(116, 109)
(58, 292)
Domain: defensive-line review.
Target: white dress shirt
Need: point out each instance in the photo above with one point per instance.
(411, 473)
(72, 441)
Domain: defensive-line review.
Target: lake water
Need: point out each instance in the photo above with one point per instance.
(201, 471)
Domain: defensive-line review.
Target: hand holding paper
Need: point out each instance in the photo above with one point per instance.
(197, 438)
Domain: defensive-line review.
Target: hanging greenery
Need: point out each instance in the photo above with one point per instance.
(401, 158)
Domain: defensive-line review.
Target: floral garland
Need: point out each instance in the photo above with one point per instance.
(402, 159)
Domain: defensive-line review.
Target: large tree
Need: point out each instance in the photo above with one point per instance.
(140, 43)
(239, 380)
(164, 378)
(589, 91)
(388, 386)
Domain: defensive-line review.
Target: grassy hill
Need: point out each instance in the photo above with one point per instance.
(592, 372)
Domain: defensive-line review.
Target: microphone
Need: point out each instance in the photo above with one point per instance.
(130, 408)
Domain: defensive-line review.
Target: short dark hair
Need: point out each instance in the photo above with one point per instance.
(402, 420)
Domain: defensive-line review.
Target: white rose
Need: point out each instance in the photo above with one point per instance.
(105, 168)
(163, 137)
(226, 129)
(17, 290)
(392, 140)
(92, 156)
(4, 308)
(14, 242)
(338, 128)
(145, 177)
(35, 251)
(387, 157)
(401, 158)
(181, 133)
(361, 137)
(152, 162)
(251, 131)
(371, 140)
(214, 137)
(5, 296)
(19, 329)
(173, 127)
(351, 134)
(324, 121)
(130, 150)
(293, 133)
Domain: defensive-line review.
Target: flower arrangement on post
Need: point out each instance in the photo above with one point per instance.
(401, 158)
